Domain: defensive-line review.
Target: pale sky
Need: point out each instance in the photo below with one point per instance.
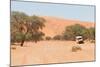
(67, 11)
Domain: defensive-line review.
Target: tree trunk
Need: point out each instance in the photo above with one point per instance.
(22, 43)
(23, 40)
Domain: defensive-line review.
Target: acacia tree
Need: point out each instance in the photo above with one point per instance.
(73, 30)
(18, 20)
(24, 24)
(34, 27)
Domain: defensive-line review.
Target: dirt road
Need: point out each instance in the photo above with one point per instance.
(45, 52)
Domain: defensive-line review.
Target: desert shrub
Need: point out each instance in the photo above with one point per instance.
(13, 48)
(76, 48)
(92, 33)
(57, 37)
(64, 37)
(92, 41)
(89, 34)
(37, 36)
(48, 38)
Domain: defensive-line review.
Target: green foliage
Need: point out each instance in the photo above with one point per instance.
(37, 36)
(78, 30)
(17, 37)
(24, 27)
(72, 31)
(92, 33)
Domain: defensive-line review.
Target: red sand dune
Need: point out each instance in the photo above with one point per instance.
(54, 25)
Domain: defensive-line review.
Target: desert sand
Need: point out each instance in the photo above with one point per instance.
(45, 52)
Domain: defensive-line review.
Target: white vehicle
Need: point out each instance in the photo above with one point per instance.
(79, 39)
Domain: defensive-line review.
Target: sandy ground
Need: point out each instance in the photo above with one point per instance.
(45, 52)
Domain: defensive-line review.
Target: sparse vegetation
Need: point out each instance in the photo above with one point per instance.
(76, 30)
(92, 41)
(76, 48)
(28, 28)
(57, 37)
(24, 27)
(14, 48)
(92, 33)
(72, 31)
(48, 38)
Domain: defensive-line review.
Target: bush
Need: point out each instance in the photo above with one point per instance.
(74, 30)
(92, 33)
(76, 48)
(13, 48)
(92, 41)
(48, 38)
(57, 37)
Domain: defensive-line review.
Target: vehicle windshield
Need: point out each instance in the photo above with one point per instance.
(79, 38)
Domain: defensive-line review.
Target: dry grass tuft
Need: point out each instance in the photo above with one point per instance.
(76, 48)
(13, 48)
